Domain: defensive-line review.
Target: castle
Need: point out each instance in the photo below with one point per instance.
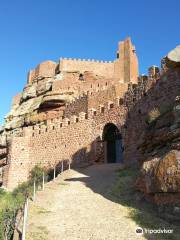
(81, 112)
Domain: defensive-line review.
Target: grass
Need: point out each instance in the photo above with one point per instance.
(41, 233)
(11, 203)
(143, 213)
(63, 184)
(36, 210)
(43, 211)
(8, 211)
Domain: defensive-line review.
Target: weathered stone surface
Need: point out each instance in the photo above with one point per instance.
(3, 153)
(159, 146)
(16, 122)
(17, 99)
(34, 118)
(43, 87)
(161, 174)
(3, 162)
(3, 142)
(45, 69)
(16, 118)
(56, 100)
(29, 92)
(26, 107)
(31, 76)
(172, 60)
(174, 57)
(1, 129)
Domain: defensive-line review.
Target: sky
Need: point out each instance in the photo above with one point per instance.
(32, 31)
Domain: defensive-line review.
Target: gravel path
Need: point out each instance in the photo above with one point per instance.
(77, 206)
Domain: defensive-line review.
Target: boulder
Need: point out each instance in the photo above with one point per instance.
(16, 118)
(56, 100)
(172, 60)
(45, 69)
(160, 174)
(43, 87)
(173, 57)
(26, 107)
(16, 122)
(29, 92)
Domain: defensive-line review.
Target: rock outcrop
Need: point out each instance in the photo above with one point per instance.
(37, 98)
(172, 60)
(3, 150)
(160, 145)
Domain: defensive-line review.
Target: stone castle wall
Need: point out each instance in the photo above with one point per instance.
(68, 82)
(63, 110)
(76, 139)
(77, 136)
(102, 68)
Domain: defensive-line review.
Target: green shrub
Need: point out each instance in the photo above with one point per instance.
(11, 203)
(152, 115)
(23, 191)
(36, 174)
(8, 212)
(155, 113)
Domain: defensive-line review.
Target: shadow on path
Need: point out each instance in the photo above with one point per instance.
(117, 185)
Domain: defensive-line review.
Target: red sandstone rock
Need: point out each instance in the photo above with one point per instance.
(161, 174)
(3, 162)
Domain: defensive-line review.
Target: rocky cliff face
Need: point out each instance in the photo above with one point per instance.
(159, 178)
(159, 146)
(36, 100)
(41, 99)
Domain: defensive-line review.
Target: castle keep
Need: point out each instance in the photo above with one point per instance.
(83, 112)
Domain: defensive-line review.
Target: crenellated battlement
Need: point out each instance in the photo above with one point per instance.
(58, 124)
(101, 68)
(84, 60)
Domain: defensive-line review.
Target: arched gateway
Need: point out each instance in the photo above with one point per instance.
(113, 150)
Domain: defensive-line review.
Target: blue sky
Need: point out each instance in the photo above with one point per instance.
(32, 31)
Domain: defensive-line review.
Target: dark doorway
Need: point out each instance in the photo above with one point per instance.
(113, 150)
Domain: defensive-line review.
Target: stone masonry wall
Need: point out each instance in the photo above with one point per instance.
(77, 139)
(19, 162)
(98, 67)
(70, 82)
(77, 106)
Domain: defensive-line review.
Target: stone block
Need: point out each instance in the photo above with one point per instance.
(45, 69)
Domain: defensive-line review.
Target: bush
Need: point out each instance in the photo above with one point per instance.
(36, 174)
(152, 115)
(155, 113)
(8, 212)
(23, 191)
(12, 203)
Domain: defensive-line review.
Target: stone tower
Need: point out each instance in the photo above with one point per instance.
(126, 64)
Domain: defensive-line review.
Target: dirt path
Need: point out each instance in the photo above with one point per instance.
(78, 206)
